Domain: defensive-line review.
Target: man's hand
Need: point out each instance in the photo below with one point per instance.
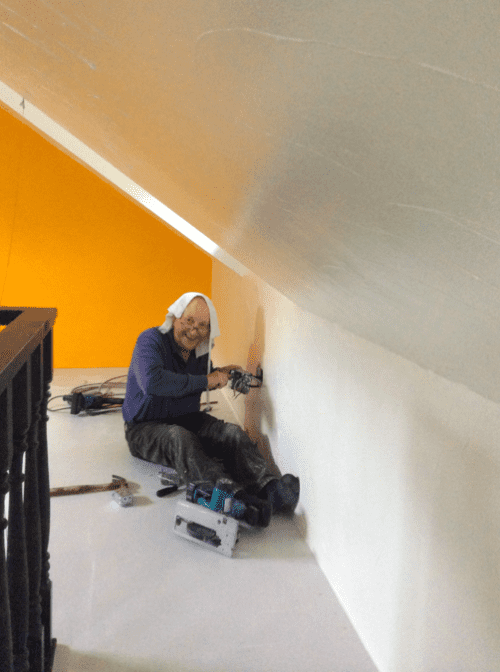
(218, 379)
(229, 368)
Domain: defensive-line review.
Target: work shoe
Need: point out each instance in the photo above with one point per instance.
(258, 511)
(283, 493)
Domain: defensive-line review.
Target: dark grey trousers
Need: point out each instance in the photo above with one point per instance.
(201, 448)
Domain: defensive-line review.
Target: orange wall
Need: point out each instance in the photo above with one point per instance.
(71, 241)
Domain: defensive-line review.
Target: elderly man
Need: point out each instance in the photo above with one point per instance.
(170, 369)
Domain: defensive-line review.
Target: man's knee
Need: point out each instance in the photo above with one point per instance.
(233, 434)
(233, 430)
(177, 434)
(179, 441)
(160, 442)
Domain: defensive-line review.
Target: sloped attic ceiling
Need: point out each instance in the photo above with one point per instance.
(346, 152)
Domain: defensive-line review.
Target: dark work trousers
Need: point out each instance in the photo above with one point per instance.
(201, 448)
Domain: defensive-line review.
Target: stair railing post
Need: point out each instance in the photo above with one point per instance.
(43, 478)
(17, 553)
(6, 450)
(33, 519)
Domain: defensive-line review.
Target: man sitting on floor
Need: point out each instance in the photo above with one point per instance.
(170, 368)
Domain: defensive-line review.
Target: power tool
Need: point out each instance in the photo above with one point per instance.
(241, 381)
(90, 402)
(211, 516)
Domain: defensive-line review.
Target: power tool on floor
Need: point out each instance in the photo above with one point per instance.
(211, 515)
(90, 402)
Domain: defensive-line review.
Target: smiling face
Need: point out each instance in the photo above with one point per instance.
(194, 326)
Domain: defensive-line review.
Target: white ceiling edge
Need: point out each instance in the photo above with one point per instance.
(102, 167)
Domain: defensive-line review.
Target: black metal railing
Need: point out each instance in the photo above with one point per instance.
(26, 642)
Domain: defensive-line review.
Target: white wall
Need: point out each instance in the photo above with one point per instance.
(399, 471)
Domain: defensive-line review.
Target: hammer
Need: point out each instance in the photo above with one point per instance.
(117, 483)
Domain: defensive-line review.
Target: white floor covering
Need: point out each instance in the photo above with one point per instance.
(130, 595)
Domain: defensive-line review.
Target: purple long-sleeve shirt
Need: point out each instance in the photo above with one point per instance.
(160, 384)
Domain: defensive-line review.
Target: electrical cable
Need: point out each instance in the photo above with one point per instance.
(101, 390)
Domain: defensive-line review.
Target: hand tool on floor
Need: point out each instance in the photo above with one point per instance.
(123, 493)
(170, 478)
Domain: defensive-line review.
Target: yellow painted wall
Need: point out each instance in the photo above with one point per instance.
(71, 241)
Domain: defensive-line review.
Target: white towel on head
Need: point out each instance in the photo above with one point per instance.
(177, 309)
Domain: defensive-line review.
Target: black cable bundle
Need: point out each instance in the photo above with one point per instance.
(94, 398)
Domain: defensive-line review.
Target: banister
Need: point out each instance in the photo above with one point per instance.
(26, 643)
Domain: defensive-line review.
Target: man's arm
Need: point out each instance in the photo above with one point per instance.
(154, 378)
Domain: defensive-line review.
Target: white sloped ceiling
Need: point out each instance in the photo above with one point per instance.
(346, 152)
